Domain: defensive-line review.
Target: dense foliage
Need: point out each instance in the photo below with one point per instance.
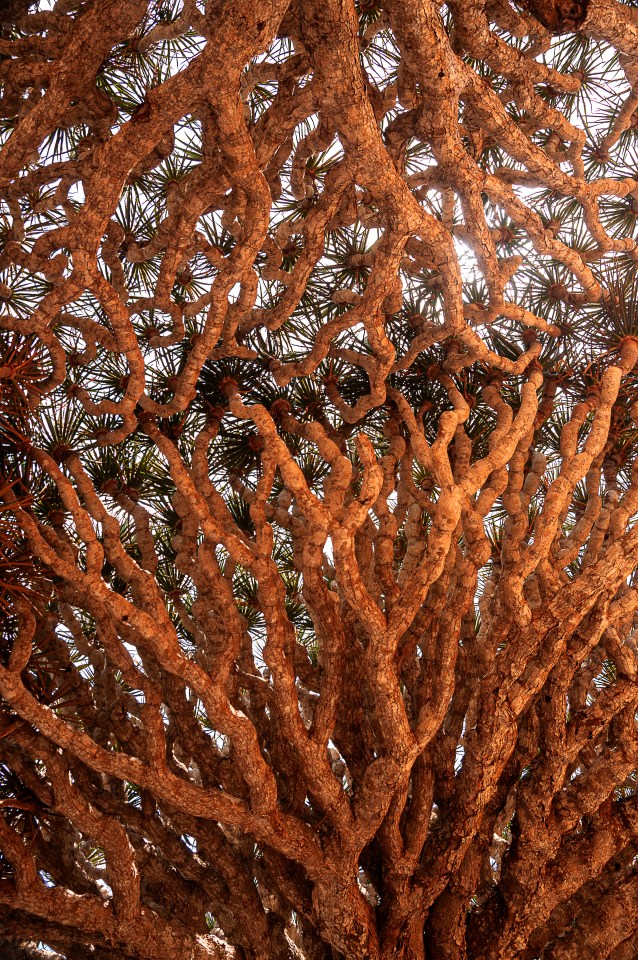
(318, 434)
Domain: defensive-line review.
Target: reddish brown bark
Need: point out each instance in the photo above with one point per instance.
(327, 644)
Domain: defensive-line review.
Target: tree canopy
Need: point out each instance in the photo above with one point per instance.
(318, 434)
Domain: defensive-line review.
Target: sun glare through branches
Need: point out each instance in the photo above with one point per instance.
(318, 480)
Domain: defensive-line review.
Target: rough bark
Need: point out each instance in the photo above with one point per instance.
(318, 448)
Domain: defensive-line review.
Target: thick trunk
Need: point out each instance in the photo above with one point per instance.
(405, 944)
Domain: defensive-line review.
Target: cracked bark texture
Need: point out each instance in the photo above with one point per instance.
(318, 450)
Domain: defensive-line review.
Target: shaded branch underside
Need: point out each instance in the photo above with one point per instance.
(319, 421)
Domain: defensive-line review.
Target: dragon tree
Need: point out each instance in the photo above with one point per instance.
(318, 480)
